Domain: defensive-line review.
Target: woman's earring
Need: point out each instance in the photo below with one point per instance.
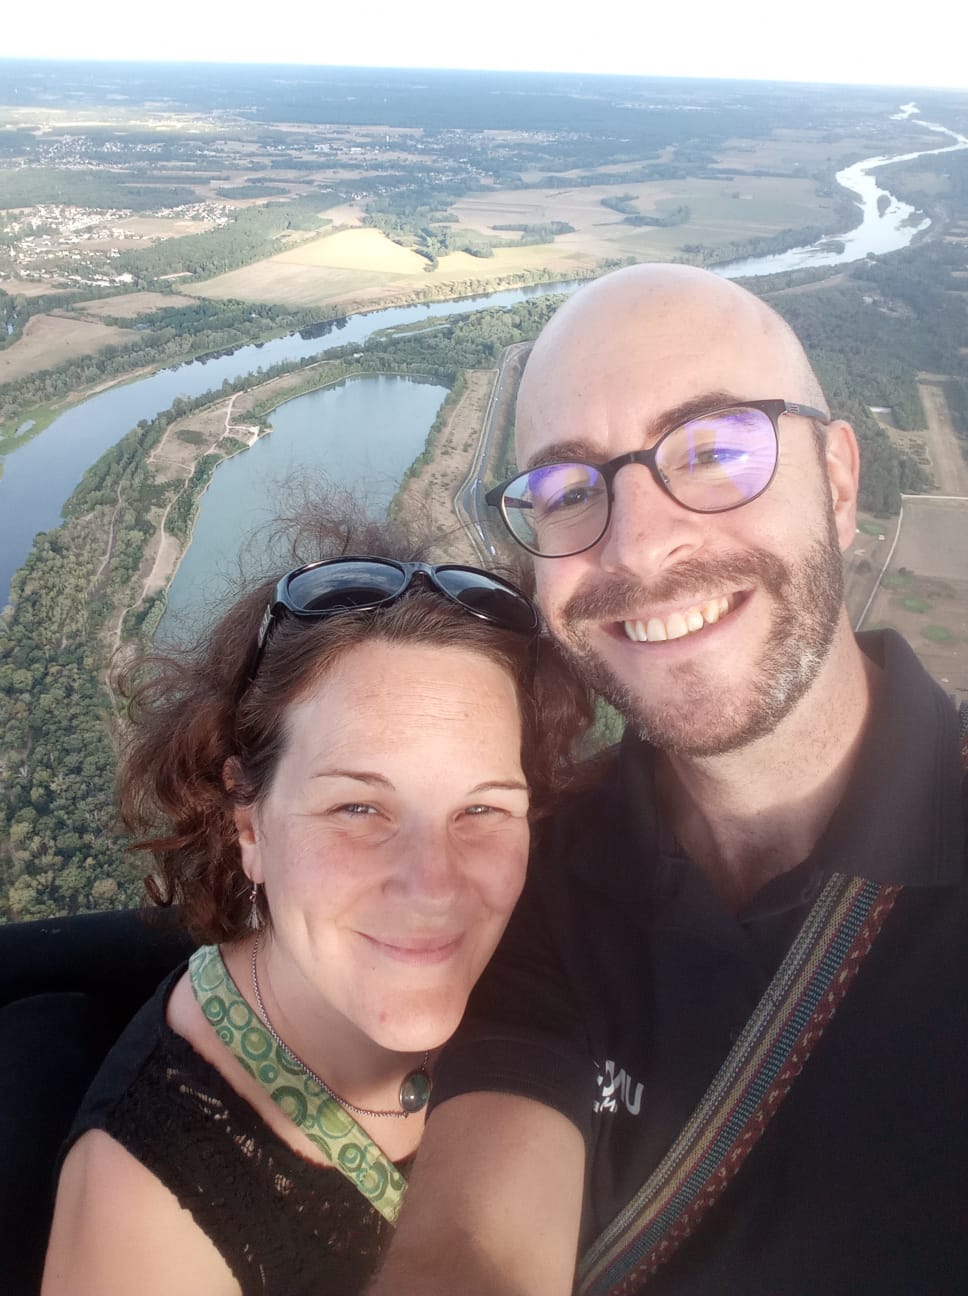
(254, 920)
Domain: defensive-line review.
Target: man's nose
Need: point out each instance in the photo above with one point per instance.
(649, 530)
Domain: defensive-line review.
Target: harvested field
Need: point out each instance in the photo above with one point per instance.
(298, 285)
(152, 228)
(129, 305)
(808, 150)
(361, 268)
(32, 287)
(357, 249)
(52, 339)
(720, 211)
(925, 592)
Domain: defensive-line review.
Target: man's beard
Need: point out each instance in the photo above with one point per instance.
(695, 721)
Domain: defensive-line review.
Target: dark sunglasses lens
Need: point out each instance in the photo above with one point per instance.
(719, 461)
(489, 598)
(345, 585)
(557, 509)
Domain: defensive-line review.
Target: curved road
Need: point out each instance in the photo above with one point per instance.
(472, 512)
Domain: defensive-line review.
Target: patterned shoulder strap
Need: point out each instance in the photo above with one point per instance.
(346, 1144)
(749, 1088)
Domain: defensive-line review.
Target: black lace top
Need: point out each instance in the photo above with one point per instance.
(282, 1223)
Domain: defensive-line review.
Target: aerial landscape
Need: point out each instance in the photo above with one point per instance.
(222, 283)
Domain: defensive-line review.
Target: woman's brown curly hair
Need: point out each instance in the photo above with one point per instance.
(187, 721)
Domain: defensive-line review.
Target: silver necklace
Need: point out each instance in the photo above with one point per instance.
(414, 1087)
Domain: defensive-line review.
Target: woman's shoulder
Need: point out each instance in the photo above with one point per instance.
(104, 1192)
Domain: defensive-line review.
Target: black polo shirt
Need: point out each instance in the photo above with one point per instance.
(623, 980)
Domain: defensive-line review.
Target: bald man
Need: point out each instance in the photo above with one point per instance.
(687, 498)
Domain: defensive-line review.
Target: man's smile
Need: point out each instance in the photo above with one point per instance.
(688, 620)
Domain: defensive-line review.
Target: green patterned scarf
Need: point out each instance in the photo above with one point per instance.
(346, 1144)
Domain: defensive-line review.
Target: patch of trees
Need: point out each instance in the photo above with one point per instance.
(869, 338)
(418, 218)
(626, 205)
(253, 234)
(254, 189)
(756, 245)
(200, 329)
(28, 186)
(538, 233)
(956, 398)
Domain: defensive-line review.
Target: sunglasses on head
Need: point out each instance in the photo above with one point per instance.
(324, 589)
(712, 463)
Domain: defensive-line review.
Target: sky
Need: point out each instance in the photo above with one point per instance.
(820, 40)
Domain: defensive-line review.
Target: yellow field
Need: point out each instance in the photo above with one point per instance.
(356, 249)
(52, 339)
(361, 268)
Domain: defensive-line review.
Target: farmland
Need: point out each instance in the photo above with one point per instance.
(924, 594)
(49, 339)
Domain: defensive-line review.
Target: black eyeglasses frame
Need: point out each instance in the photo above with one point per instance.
(773, 409)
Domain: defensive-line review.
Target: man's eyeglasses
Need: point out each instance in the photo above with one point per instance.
(710, 464)
(324, 589)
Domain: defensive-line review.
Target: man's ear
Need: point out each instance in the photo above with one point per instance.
(843, 474)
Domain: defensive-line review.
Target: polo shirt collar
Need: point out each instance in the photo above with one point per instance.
(901, 819)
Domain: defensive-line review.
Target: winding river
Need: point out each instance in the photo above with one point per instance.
(39, 477)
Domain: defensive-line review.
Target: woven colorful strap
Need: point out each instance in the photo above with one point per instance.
(750, 1086)
(346, 1144)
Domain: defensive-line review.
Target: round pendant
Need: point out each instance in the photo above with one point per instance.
(414, 1091)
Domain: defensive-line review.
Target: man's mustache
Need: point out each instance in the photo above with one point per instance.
(691, 581)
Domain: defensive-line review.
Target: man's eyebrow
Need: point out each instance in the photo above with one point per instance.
(583, 451)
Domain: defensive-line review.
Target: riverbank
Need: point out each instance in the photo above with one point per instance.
(334, 315)
(192, 446)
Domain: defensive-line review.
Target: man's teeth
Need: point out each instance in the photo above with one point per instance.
(677, 624)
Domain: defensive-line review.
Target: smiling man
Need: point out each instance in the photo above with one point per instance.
(738, 975)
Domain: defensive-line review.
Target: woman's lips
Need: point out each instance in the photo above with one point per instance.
(420, 950)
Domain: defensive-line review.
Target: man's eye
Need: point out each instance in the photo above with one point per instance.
(713, 457)
(356, 808)
(573, 497)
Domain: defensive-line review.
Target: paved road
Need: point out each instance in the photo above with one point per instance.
(472, 513)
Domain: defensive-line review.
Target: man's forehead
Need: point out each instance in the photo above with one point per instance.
(586, 442)
(650, 369)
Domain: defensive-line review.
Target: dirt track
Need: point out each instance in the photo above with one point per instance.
(950, 468)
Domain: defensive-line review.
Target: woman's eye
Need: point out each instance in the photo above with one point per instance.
(482, 811)
(356, 808)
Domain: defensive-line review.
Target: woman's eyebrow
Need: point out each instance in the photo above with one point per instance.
(360, 776)
(492, 785)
